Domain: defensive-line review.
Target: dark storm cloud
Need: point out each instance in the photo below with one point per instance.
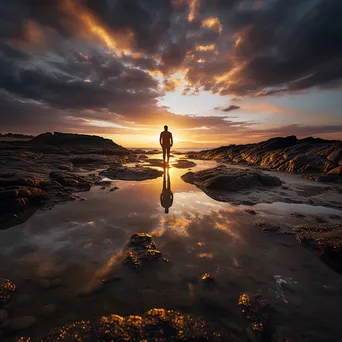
(56, 52)
(228, 109)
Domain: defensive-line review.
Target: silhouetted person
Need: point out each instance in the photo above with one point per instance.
(166, 197)
(166, 142)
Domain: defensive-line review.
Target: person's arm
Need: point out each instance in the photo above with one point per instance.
(171, 140)
(161, 139)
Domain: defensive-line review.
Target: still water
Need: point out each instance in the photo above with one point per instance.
(79, 244)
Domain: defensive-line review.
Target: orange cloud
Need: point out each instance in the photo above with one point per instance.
(212, 23)
(86, 25)
(194, 6)
(211, 47)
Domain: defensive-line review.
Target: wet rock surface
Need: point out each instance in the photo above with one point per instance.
(320, 159)
(137, 173)
(234, 185)
(229, 179)
(156, 325)
(326, 238)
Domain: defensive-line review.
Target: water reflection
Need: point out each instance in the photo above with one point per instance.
(166, 196)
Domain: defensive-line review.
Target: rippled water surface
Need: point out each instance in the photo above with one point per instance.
(79, 244)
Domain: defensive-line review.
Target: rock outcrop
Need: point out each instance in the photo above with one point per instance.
(310, 156)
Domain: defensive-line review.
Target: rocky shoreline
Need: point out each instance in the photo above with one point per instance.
(317, 159)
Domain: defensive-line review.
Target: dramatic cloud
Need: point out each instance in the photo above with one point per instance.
(112, 61)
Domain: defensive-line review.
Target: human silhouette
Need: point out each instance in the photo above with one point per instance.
(166, 142)
(166, 197)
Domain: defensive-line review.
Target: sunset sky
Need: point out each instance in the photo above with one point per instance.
(216, 71)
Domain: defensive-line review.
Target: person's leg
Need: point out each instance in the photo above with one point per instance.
(168, 153)
(164, 153)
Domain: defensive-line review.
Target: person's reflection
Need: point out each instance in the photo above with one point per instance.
(166, 197)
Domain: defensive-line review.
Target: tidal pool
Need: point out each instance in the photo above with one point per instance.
(70, 258)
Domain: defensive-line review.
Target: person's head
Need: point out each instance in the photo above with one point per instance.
(166, 128)
(166, 210)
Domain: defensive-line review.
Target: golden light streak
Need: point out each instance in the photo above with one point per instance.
(210, 47)
(194, 6)
(90, 27)
(212, 23)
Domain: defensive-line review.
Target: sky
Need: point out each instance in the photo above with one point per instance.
(217, 72)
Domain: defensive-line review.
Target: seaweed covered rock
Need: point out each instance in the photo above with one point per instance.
(327, 238)
(7, 289)
(141, 251)
(156, 325)
(137, 173)
(257, 311)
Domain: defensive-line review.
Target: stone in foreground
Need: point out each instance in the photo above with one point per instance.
(156, 325)
(137, 173)
(142, 251)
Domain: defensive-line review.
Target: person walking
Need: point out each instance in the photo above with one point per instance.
(166, 142)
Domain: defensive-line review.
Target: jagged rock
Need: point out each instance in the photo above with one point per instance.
(308, 155)
(155, 325)
(184, 164)
(142, 251)
(131, 173)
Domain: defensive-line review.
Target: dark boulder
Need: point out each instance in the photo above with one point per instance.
(137, 173)
(230, 179)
